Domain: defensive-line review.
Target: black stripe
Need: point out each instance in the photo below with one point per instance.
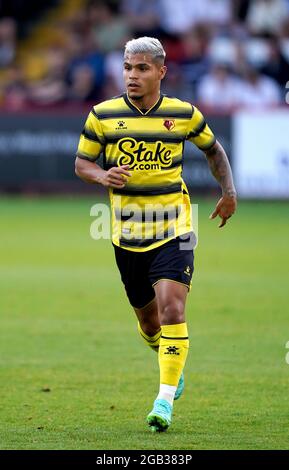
(173, 165)
(174, 188)
(94, 113)
(151, 340)
(173, 337)
(142, 243)
(148, 138)
(156, 106)
(110, 165)
(115, 115)
(152, 216)
(92, 160)
(129, 114)
(138, 111)
(197, 132)
(173, 114)
(90, 135)
(209, 146)
(131, 106)
(200, 128)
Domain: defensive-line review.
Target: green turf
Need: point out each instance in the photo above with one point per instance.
(75, 375)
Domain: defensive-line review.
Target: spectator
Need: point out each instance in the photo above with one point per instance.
(82, 51)
(110, 30)
(142, 16)
(53, 88)
(175, 84)
(15, 92)
(176, 17)
(7, 41)
(240, 10)
(257, 90)
(277, 66)
(194, 59)
(83, 87)
(216, 12)
(220, 89)
(265, 17)
(114, 73)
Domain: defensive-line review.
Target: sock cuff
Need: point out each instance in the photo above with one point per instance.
(149, 339)
(178, 331)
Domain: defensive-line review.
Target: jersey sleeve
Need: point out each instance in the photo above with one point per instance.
(91, 141)
(199, 132)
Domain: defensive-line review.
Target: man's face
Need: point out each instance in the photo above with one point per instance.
(142, 75)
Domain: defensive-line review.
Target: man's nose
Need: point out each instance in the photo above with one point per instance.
(133, 75)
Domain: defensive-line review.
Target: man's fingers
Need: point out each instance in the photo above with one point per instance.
(113, 175)
(126, 167)
(214, 214)
(116, 180)
(123, 170)
(223, 222)
(119, 181)
(118, 185)
(224, 210)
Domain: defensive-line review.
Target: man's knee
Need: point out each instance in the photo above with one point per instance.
(172, 312)
(149, 326)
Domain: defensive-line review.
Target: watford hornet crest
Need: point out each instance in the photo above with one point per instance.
(169, 124)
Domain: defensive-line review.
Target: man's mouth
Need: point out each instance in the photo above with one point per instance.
(133, 85)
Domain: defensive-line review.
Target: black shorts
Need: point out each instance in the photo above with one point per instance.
(140, 271)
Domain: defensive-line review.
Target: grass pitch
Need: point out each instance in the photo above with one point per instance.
(74, 373)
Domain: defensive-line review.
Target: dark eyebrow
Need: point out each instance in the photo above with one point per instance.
(138, 64)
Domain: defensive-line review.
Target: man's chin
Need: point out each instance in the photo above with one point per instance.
(134, 96)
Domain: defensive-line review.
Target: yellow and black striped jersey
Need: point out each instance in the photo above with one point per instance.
(154, 206)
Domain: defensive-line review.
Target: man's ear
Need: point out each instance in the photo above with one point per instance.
(163, 71)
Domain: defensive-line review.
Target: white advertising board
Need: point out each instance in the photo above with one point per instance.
(261, 153)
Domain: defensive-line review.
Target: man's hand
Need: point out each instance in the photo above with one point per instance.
(220, 168)
(116, 177)
(225, 208)
(92, 173)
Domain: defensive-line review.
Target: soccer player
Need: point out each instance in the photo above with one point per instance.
(141, 135)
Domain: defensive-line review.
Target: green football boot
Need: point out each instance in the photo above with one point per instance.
(160, 418)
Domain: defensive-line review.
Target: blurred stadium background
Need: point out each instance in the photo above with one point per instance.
(58, 58)
(58, 286)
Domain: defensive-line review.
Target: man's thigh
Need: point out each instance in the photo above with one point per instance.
(172, 262)
(133, 268)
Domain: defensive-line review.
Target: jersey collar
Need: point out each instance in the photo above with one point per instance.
(137, 111)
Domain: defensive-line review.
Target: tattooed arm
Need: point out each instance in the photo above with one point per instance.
(220, 168)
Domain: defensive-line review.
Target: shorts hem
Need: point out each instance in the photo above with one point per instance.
(172, 280)
(145, 305)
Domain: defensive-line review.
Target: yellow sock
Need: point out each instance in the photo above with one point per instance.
(173, 351)
(152, 341)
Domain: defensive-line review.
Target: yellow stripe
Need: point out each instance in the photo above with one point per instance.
(172, 280)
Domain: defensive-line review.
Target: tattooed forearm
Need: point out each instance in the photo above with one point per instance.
(220, 168)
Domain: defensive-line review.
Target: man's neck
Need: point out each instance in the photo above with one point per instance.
(147, 102)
